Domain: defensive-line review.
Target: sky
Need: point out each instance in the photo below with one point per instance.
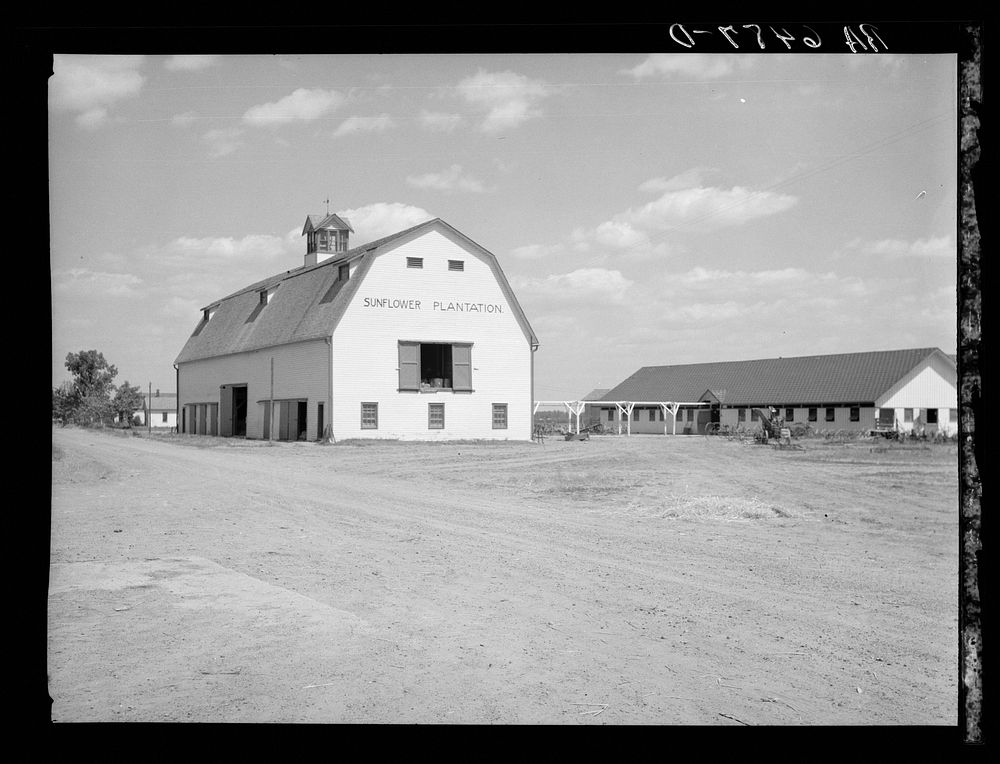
(647, 209)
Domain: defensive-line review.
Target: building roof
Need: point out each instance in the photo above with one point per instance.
(330, 220)
(595, 395)
(308, 302)
(817, 379)
(161, 401)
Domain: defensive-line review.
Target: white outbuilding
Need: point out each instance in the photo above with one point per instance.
(910, 390)
(416, 336)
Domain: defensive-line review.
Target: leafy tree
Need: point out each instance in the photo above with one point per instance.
(94, 409)
(92, 374)
(64, 402)
(127, 401)
(87, 399)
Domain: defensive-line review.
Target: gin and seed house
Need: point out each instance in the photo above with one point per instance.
(414, 336)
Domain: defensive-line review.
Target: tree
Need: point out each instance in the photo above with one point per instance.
(127, 401)
(92, 374)
(87, 399)
(64, 403)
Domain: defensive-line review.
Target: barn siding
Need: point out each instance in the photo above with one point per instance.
(300, 371)
(931, 386)
(366, 354)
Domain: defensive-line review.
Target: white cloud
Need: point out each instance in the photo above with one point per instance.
(435, 120)
(92, 118)
(940, 246)
(706, 208)
(750, 280)
(699, 66)
(183, 307)
(185, 119)
(95, 283)
(302, 105)
(451, 179)
(619, 235)
(594, 285)
(90, 85)
(373, 221)
(189, 63)
(537, 251)
(687, 179)
(508, 99)
(223, 141)
(364, 125)
(212, 249)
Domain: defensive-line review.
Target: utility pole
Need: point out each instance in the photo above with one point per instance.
(149, 409)
(270, 407)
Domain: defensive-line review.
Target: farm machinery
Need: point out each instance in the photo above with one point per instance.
(773, 429)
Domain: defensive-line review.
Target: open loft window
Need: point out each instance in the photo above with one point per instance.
(343, 272)
(431, 366)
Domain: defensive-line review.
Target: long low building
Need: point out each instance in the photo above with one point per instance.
(417, 335)
(908, 390)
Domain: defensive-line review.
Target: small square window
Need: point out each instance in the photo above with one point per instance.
(414, 262)
(369, 416)
(829, 413)
(932, 416)
(611, 415)
(742, 415)
(456, 265)
(164, 417)
(855, 413)
(789, 414)
(952, 415)
(499, 416)
(652, 415)
(812, 415)
(907, 415)
(435, 416)
(754, 415)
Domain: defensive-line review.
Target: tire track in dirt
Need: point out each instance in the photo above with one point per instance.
(558, 584)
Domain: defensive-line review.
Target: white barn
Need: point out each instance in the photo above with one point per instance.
(415, 336)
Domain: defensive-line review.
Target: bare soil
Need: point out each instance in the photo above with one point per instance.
(617, 580)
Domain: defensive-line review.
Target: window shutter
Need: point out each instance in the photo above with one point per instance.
(409, 365)
(461, 361)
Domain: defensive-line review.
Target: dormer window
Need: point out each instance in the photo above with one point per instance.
(208, 313)
(266, 295)
(343, 272)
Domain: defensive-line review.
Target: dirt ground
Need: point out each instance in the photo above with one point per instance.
(619, 580)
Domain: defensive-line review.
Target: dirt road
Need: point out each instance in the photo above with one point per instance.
(642, 580)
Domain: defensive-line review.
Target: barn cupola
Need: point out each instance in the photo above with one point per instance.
(326, 237)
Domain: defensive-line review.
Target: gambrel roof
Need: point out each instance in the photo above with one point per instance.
(308, 302)
(840, 378)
